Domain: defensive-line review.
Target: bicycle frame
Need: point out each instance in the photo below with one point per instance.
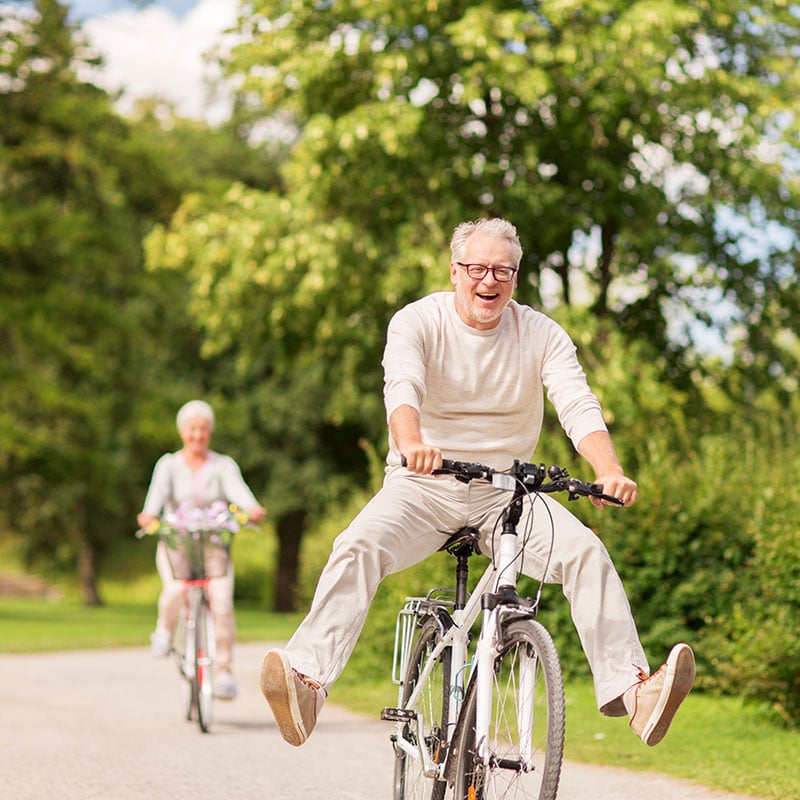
(197, 546)
(494, 579)
(190, 589)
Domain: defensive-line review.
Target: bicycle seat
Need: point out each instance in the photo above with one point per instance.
(462, 542)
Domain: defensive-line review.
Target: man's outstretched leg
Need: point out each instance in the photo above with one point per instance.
(295, 699)
(396, 529)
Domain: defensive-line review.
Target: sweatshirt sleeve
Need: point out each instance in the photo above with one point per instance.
(233, 484)
(577, 407)
(403, 363)
(160, 489)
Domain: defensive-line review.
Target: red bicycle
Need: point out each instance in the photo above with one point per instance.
(195, 560)
(198, 547)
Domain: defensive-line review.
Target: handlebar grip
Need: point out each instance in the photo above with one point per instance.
(446, 463)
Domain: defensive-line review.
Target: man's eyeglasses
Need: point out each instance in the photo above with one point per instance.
(478, 271)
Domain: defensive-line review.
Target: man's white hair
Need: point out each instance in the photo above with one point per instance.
(194, 408)
(496, 226)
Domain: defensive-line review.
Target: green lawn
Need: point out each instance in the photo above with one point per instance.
(38, 626)
(718, 742)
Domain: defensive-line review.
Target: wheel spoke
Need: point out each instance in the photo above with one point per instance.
(526, 731)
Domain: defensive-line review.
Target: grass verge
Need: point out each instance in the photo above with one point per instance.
(719, 742)
(34, 626)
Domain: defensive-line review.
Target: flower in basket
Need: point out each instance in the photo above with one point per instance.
(221, 520)
(218, 522)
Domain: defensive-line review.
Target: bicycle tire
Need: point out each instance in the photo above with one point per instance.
(203, 684)
(409, 781)
(527, 649)
(183, 649)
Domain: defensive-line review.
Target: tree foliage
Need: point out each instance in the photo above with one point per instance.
(68, 243)
(615, 135)
(96, 353)
(640, 143)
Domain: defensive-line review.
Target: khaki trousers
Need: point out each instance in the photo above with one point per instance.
(221, 598)
(406, 521)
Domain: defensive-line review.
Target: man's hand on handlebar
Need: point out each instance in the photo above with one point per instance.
(617, 485)
(422, 458)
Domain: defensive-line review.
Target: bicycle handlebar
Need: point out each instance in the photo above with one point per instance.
(524, 477)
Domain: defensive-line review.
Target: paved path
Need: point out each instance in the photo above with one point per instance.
(107, 725)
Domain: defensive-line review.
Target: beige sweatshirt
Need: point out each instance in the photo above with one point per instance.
(480, 394)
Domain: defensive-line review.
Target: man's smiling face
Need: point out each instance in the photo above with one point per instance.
(480, 303)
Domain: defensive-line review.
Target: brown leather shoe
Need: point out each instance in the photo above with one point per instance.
(653, 701)
(295, 699)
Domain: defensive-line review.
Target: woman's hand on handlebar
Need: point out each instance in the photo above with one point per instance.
(421, 458)
(256, 513)
(144, 520)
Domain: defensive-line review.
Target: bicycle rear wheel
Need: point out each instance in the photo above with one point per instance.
(203, 684)
(526, 727)
(410, 782)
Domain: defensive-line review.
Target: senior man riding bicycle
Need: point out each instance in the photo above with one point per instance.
(446, 356)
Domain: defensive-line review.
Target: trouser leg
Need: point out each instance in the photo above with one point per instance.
(399, 527)
(599, 605)
(169, 601)
(221, 595)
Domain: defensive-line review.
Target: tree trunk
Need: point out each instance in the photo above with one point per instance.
(563, 273)
(87, 575)
(291, 528)
(607, 236)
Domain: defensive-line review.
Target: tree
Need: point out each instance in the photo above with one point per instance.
(628, 125)
(290, 334)
(82, 367)
(634, 143)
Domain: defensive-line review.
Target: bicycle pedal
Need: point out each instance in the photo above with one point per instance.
(398, 714)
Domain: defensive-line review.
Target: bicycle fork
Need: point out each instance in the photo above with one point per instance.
(505, 601)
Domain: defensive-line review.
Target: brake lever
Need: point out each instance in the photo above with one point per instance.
(596, 490)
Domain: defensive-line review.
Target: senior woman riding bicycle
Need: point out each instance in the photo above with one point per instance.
(197, 476)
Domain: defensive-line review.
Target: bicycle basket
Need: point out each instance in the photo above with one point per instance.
(195, 555)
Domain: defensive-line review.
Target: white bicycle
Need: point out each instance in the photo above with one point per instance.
(488, 726)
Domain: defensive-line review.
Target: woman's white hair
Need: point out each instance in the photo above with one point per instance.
(194, 408)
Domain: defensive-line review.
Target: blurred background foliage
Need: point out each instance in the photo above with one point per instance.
(645, 150)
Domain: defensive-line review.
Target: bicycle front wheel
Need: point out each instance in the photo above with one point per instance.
(410, 781)
(525, 743)
(183, 644)
(203, 688)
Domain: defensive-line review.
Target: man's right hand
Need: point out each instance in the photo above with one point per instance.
(405, 429)
(422, 458)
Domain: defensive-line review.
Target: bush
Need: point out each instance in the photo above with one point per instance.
(709, 555)
(756, 645)
(254, 555)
